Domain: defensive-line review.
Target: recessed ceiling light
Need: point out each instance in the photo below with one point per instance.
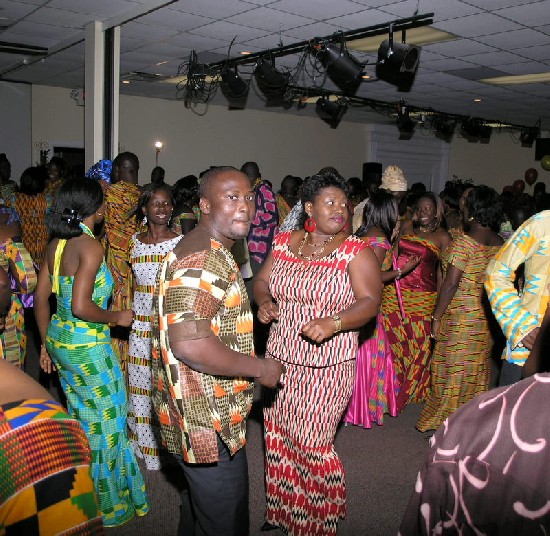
(126, 81)
(365, 76)
(161, 62)
(538, 78)
(418, 36)
(478, 100)
(246, 52)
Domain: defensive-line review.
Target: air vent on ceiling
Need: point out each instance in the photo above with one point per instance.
(139, 76)
(25, 50)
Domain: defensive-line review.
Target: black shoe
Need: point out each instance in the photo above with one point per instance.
(268, 526)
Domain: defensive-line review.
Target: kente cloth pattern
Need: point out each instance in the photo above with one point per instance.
(53, 186)
(283, 208)
(304, 475)
(45, 483)
(265, 224)
(17, 263)
(193, 408)
(305, 290)
(144, 431)
(32, 210)
(305, 481)
(376, 386)
(410, 336)
(120, 200)
(460, 366)
(487, 468)
(94, 385)
(520, 314)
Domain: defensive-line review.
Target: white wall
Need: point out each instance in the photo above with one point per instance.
(497, 163)
(15, 135)
(56, 120)
(280, 143)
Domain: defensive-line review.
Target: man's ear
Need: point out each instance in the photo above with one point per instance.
(204, 205)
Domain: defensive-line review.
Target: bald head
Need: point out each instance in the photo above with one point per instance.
(211, 177)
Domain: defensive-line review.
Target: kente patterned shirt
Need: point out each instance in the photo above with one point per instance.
(486, 472)
(265, 224)
(200, 294)
(520, 314)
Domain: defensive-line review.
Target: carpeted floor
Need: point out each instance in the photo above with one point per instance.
(381, 466)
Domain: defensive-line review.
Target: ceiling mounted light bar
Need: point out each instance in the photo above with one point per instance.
(379, 29)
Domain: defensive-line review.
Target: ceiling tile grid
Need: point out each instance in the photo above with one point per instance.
(509, 37)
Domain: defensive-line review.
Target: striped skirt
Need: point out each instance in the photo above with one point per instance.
(305, 484)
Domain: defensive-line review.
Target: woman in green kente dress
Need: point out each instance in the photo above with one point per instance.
(78, 342)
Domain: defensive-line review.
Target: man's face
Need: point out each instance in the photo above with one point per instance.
(127, 172)
(229, 205)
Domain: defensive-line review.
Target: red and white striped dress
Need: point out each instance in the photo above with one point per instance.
(304, 475)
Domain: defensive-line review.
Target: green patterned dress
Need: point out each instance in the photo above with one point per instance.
(17, 262)
(93, 382)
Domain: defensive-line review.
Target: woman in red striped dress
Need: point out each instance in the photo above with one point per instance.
(318, 285)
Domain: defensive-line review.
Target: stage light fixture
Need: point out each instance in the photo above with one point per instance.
(331, 111)
(405, 124)
(444, 128)
(528, 135)
(474, 130)
(232, 85)
(342, 68)
(397, 62)
(271, 81)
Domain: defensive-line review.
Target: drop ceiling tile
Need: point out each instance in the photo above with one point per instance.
(458, 48)
(532, 15)
(146, 32)
(479, 24)
(30, 29)
(171, 18)
(515, 39)
(213, 8)
(525, 67)
(265, 18)
(364, 19)
(14, 11)
(319, 9)
(490, 5)
(198, 42)
(102, 9)
(494, 59)
(60, 17)
(539, 53)
(309, 31)
(226, 31)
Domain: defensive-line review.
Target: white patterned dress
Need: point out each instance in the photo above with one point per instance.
(144, 432)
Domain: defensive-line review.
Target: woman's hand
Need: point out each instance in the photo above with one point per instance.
(436, 324)
(412, 262)
(124, 318)
(319, 329)
(268, 311)
(46, 361)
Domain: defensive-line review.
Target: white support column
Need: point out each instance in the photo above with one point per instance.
(93, 85)
(115, 91)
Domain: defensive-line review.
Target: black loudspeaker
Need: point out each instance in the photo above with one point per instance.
(542, 148)
(372, 170)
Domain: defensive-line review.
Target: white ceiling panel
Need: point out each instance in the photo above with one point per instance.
(493, 36)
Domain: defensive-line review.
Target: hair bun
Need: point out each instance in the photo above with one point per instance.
(71, 216)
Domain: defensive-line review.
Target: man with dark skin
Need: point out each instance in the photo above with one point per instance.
(120, 200)
(203, 359)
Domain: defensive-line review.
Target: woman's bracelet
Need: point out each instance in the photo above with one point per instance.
(399, 273)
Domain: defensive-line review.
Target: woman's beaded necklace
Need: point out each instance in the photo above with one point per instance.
(315, 254)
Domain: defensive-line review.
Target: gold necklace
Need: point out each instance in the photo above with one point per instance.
(314, 254)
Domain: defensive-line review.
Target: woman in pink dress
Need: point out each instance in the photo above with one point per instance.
(376, 386)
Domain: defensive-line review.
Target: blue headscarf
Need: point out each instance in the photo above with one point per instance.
(100, 171)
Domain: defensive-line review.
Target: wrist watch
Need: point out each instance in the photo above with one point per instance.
(338, 322)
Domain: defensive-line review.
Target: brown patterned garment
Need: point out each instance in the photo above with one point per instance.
(487, 469)
(199, 294)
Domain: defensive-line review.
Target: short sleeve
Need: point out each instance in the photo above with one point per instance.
(458, 253)
(194, 289)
